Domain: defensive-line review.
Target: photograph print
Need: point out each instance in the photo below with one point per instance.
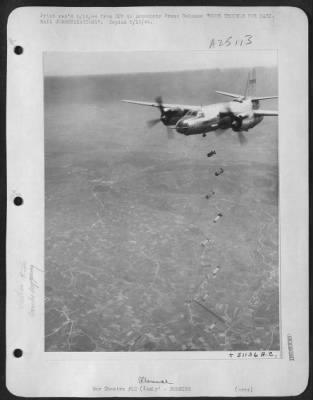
(161, 201)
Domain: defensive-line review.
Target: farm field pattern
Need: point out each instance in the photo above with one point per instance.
(133, 259)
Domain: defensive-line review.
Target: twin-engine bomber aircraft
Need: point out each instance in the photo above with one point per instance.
(240, 114)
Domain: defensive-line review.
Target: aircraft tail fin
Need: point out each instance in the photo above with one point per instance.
(250, 90)
(251, 84)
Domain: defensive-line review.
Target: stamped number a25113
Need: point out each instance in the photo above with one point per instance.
(231, 41)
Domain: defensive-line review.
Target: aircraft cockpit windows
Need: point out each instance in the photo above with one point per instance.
(192, 113)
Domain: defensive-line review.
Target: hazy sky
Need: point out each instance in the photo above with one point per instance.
(131, 62)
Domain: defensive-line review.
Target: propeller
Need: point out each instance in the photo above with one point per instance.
(159, 101)
(242, 139)
(151, 123)
(170, 133)
(236, 125)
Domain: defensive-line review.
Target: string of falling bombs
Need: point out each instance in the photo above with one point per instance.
(200, 300)
(204, 245)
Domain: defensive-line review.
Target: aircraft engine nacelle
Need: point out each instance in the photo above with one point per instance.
(244, 124)
(225, 122)
(172, 115)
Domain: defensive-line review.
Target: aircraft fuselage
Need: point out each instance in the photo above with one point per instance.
(237, 114)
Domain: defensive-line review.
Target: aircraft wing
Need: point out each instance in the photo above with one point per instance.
(265, 112)
(237, 96)
(157, 105)
(263, 98)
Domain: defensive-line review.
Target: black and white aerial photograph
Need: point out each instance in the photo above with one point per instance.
(161, 201)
